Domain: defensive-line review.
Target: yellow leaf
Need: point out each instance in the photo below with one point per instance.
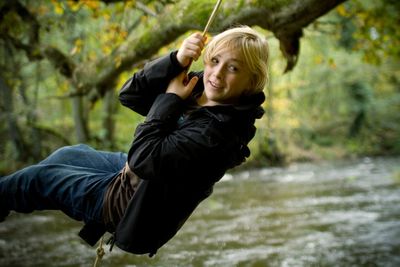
(79, 42)
(123, 34)
(64, 87)
(118, 61)
(74, 5)
(130, 3)
(106, 49)
(341, 10)
(77, 48)
(58, 9)
(106, 15)
(318, 59)
(92, 4)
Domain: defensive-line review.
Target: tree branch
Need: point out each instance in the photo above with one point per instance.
(285, 21)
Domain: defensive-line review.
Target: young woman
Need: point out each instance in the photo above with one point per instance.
(197, 126)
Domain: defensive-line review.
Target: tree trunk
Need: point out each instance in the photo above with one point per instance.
(110, 108)
(80, 119)
(17, 141)
(35, 139)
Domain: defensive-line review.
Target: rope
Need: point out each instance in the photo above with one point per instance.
(99, 253)
(212, 16)
(210, 20)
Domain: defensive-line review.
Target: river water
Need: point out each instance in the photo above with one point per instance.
(327, 214)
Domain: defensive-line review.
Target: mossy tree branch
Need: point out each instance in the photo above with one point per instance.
(285, 18)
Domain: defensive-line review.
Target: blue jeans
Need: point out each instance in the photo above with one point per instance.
(73, 179)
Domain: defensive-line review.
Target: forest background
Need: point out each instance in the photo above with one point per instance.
(334, 89)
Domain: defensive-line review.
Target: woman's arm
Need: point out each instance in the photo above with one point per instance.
(140, 91)
(162, 149)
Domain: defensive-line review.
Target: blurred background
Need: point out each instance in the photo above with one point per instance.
(63, 62)
(333, 106)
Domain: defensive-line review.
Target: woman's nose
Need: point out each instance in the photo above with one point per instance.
(218, 71)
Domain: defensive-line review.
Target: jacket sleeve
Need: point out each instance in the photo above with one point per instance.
(140, 91)
(161, 149)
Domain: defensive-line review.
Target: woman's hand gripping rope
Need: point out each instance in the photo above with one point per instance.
(192, 46)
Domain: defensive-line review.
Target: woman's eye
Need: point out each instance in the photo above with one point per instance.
(233, 68)
(214, 60)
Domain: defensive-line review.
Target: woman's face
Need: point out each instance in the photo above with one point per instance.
(225, 78)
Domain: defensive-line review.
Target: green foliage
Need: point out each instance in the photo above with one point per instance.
(332, 104)
(371, 27)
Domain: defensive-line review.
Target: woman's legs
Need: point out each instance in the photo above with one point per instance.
(72, 179)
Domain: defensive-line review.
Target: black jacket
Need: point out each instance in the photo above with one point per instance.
(178, 155)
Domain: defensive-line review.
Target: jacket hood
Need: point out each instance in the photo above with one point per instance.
(252, 104)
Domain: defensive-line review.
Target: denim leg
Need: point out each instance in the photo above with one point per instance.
(72, 179)
(85, 156)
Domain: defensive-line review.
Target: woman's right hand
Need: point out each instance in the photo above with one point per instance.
(191, 49)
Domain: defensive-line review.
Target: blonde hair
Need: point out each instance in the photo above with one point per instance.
(253, 48)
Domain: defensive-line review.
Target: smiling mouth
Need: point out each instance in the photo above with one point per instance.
(215, 85)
